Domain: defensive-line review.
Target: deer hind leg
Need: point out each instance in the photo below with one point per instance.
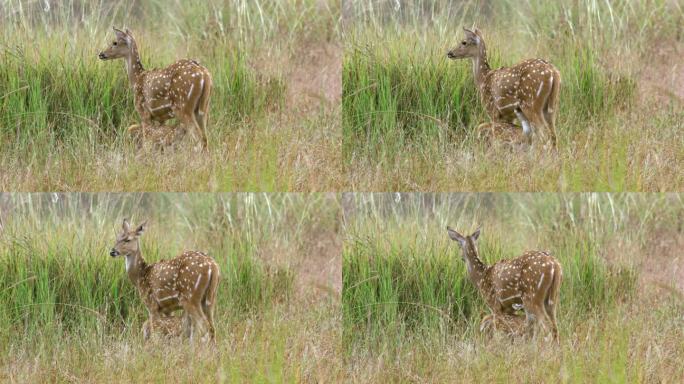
(551, 300)
(198, 320)
(536, 303)
(535, 121)
(202, 110)
(550, 108)
(537, 112)
(209, 299)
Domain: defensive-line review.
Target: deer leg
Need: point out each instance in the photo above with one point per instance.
(201, 118)
(552, 299)
(535, 116)
(527, 127)
(209, 314)
(187, 325)
(198, 320)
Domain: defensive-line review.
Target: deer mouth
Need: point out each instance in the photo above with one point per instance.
(452, 55)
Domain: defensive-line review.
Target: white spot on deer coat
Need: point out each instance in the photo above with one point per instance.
(540, 280)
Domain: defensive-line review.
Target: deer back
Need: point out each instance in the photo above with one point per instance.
(519, 85)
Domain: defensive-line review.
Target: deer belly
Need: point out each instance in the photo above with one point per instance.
(160, 109)
(167, 303)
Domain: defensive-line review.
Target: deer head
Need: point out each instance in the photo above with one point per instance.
(469, 248)
(120, 48)
(127, 242)
(469, 47)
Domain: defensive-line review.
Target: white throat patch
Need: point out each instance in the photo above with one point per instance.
(129, 262)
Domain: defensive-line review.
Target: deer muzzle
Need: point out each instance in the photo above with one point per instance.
(113, 253)
(102, 56)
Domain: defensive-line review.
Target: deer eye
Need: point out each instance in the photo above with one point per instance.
(463, 42)
(115, 43)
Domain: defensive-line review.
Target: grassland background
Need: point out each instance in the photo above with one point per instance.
(409, 114)
(274, 117)
(411, 315)
(68, 312)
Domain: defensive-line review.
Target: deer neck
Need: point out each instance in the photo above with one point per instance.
(134, 67)
(136, 267)
(476, 268)
(481, 66)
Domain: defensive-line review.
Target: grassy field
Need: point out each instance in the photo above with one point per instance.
(68, 312)
(409, 113)
(411, 315)
(274, 114)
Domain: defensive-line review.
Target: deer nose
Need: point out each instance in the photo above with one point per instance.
(102, 56)
(450, 55)
(113, 252)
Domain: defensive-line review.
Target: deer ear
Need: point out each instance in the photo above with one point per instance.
(128, 32)
(126, 226)
(476, 234)
(119, 33)
(141, 228)
(477, 32)
(453, 235)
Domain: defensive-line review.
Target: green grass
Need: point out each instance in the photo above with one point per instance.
(409, 310)
(64, 112)
(62, 295)
(409, 113)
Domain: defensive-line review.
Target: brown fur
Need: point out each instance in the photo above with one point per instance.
(160, 136)
(187, 282)
(181, 90)
(167, 326)
(528, 91)
(513, 326)
(530, 282)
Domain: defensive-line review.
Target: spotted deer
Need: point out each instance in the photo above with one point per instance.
(181, 90)
(512, 326)
(530, 282)
(167, 326)
(188, 282)
(159, 136)
(528, 91)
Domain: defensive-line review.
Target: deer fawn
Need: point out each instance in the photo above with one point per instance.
(161, 136)
(528, 91)
(188, 282)
(511, 325)
(530, 282)
(180, 90)
(168, 326)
